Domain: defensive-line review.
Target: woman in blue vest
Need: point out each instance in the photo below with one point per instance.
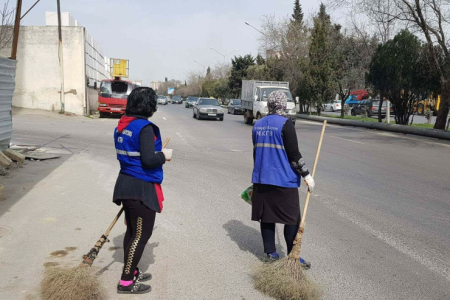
(278, 168)
(138, 187)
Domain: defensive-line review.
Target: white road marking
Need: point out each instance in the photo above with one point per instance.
(347, 140)
(164, 118)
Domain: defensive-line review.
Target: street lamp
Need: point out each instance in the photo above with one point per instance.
(224, 55)
(204, 67)
(248, 24)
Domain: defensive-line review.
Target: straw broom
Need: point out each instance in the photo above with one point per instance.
(284, 279)
(78, 283)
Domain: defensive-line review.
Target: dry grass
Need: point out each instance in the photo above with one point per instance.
(285, 280)
(71, 284)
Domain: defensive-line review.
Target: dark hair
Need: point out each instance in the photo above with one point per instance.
(141, 102)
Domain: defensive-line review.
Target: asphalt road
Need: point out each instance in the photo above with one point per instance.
(377, 227)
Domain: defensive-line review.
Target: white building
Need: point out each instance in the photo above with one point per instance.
(38, 78)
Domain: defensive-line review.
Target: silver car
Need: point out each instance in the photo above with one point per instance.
(162, 100)
(208, 108)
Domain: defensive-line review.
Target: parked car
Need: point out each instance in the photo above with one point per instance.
(234, 107)
(370, 108)
(177, 100)
(332, 106)
(163, 100)
(207, 108)
(190, 101)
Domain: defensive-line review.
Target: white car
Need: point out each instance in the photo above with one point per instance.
(163, 100)
(332, 106)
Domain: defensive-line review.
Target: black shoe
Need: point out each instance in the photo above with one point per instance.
(142, 277)
(135, 288)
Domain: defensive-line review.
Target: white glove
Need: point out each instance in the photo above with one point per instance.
(310, 183)
(167, 153)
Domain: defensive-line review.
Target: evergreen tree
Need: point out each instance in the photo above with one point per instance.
(298, 15)
(260, 60)
(238, 72)
(319, 70)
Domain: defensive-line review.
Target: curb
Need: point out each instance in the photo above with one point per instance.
(434, 133)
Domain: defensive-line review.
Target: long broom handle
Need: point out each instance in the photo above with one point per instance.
(302, 224)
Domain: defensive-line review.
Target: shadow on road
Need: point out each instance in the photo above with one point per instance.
(248, 238)
(21, 180)
(148, 257)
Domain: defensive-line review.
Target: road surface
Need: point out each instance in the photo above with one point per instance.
(377, 227)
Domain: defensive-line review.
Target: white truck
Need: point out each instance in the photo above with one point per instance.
(254, 95)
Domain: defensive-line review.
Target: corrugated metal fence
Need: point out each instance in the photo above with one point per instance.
(7, 84)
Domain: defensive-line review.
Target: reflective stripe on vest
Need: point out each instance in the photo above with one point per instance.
(122, 152)
(266, 145)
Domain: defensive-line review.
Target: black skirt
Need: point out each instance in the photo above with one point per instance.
(130, 188)
(274, 204)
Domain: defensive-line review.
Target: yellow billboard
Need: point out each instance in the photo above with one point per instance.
(119, 67)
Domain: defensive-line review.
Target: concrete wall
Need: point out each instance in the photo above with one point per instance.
(92, 95)
(38, 80)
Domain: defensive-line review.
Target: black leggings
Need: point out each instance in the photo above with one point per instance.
(268, 236)
(140, 222)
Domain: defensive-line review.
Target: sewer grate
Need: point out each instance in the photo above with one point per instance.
(4, 230)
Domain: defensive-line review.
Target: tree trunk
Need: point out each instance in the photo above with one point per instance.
(441, 120)
(379, 108)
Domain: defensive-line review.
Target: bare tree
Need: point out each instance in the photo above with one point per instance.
(432, 19)
(7, 27)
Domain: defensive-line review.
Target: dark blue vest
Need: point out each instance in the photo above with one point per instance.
(129, 155)
(271, 162)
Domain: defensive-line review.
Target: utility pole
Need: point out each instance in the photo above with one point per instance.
(388, 36)
(61, 62)
(16, 30)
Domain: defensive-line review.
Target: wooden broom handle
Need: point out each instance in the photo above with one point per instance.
(166, 142)
(108, 231)
(302, 224)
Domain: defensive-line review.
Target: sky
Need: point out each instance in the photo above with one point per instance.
(163, 38)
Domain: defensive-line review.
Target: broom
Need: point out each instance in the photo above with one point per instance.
(284, 279)
(78, 282)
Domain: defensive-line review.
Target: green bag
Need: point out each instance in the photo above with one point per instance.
(247, 195)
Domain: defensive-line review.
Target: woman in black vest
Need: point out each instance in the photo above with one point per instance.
(275, 204)
(141, 199)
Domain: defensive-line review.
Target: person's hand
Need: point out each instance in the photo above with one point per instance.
(167, 153)
(310, 183)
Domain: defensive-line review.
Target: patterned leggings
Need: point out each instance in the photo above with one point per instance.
(140, 221)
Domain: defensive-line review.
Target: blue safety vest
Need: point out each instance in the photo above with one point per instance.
(129, 151)
(271, 162)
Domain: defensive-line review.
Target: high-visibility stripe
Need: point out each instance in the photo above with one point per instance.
(265, 145)
(123, 152)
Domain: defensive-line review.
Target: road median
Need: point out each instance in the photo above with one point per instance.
(434, 133)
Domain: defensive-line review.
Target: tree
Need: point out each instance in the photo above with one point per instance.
(351, 60)
(298, 15)
(260, 60)
(258, 72)
(319, 69)
(393, 72)
(430, 18)
(7, 26)
(238, 72)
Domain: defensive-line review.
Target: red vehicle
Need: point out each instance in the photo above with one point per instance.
(359, 95)
(112, 97)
